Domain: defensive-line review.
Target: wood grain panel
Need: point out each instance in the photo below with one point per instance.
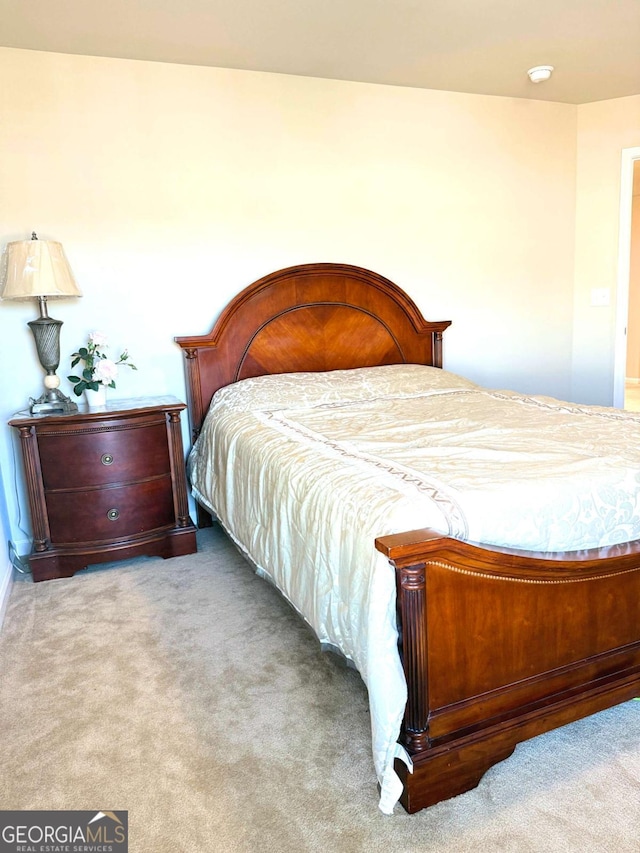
(308, 318)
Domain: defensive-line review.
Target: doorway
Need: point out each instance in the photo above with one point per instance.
(632, 375)
(626, 380)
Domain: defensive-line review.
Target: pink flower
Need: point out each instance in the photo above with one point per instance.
(98, 339)
(105, 371)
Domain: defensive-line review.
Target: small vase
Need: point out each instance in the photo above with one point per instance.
(96, 399)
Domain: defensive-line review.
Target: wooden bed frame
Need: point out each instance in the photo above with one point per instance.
(497, 645)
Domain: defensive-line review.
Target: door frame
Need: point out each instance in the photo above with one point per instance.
(629, 157)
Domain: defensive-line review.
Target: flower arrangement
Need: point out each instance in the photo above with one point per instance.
(98, 369)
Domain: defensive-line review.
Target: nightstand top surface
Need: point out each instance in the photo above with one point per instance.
(111, 408)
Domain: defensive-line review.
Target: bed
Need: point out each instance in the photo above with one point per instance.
(476, 647)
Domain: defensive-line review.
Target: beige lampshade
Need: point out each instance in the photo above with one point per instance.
(37, 268)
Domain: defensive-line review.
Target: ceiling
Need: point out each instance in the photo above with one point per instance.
(476, 46)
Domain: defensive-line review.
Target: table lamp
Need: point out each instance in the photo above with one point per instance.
(38, 269)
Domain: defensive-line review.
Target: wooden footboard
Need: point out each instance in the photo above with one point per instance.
(499, 646)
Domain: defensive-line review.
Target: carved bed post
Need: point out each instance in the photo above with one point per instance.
(437, 349)
(194, 393)
(413, 649)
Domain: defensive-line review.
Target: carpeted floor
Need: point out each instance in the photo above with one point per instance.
(187, 692)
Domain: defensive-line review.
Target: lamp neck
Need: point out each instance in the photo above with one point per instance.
(42, 302)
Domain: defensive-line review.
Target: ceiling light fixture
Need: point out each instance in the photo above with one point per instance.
(540, 73)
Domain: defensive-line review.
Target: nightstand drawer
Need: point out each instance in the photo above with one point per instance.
(107, 456)
(111, 513)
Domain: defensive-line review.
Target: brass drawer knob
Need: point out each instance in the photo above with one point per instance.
(113, 514)
(106, 459)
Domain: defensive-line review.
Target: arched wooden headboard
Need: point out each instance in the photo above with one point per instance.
(308, 318)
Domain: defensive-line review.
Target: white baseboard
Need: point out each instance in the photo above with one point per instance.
(6, 581)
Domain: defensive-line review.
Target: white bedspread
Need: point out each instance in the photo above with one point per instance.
(306, 470)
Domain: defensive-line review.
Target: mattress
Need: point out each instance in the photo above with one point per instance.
(304, 471)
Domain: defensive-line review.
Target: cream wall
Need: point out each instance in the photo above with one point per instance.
(604, 130)
(172, 187)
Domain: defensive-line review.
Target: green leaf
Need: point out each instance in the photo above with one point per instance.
(74, 379)
(83, 352)
(87, 375)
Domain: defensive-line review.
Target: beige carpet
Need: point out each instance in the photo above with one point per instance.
(187, 692)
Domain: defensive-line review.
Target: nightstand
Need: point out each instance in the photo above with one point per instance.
(105, 484)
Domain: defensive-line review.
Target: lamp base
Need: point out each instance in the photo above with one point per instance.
(52, 402)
